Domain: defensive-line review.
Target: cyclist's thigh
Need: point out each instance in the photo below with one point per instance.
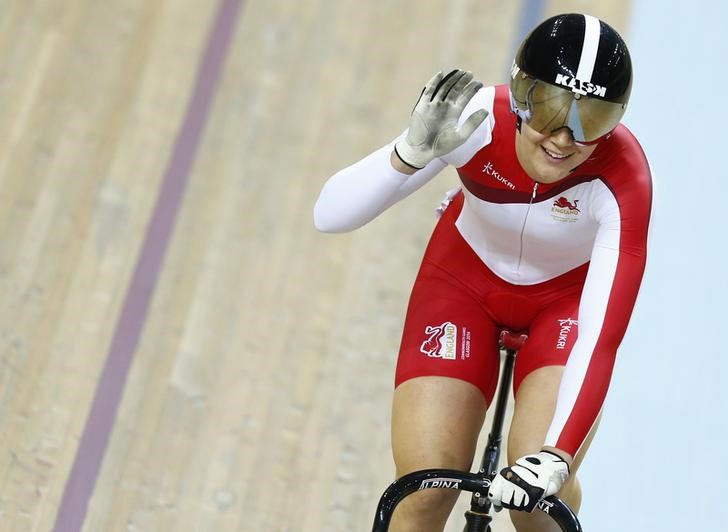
(446, 375)
(435, 423)
(551, 336)
(447, 333)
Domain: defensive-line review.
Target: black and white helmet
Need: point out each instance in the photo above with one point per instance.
(572, 71)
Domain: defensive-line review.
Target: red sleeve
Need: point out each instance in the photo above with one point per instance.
(623, 210)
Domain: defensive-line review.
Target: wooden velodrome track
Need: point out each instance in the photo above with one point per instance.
(142, 228)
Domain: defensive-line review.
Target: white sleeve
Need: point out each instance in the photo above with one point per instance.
(359, 193)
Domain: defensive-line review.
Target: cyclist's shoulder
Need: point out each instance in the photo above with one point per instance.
(620, 164)
(623, 159)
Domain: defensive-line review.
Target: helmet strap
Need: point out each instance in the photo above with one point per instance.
(519, 121)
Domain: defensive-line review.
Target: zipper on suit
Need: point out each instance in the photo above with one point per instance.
(523, 227)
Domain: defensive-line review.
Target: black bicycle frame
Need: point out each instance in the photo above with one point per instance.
(478, 518)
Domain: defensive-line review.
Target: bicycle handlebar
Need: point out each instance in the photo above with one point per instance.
(559, 511)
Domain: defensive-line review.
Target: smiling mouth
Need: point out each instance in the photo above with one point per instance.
(555, 156)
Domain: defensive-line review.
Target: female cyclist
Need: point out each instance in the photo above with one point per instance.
(547, 234)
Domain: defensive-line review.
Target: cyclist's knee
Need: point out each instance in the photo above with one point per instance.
(407, 461)
(570, 493)
(533, 522)
(425, 510)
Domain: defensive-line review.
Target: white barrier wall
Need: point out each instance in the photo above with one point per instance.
(661, 452)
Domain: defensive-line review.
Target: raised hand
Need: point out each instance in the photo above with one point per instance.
(433, 129)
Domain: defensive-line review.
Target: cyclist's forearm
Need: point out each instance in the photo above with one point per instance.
(399, 165)
(359, 193)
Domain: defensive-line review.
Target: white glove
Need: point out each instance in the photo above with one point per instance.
(532, 478)
(433, 129)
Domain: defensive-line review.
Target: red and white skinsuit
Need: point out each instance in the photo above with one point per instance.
(563, 261)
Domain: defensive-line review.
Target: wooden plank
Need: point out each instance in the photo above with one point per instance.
(79, 176)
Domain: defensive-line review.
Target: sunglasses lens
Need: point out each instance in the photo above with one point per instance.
(547, 108)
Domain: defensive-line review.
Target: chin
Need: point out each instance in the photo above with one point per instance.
(550, 177)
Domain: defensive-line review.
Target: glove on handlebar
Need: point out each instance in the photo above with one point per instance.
(530, 479)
